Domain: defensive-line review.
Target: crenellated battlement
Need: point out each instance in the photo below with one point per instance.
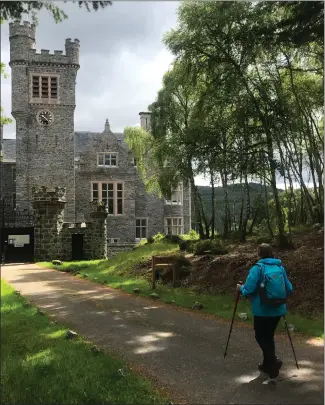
(23, 49)
(42, 194)
(24, 29)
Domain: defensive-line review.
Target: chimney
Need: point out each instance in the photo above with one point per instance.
(145, 120)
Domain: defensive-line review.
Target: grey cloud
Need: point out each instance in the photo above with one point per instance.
(122, 59)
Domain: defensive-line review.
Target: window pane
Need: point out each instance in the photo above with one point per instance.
(95, 191)
(107, 159)
(143, 222)
(119, 186)
(104, 194)
(119, 206)
(174, 221)
(137, 233)
(113, 160)
(169, 221)
(143, 232)
(110, 207)
(137, 222)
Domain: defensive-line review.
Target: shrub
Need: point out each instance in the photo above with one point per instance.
(187, 245)
(172, 238)
(213, 246)
(191, 235)
(150, 239)
(181, 261)
(184, 245)
(158, 237)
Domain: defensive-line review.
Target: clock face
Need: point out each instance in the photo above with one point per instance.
(45, 118)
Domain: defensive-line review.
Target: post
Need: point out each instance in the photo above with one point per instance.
(174, 275)
(153, 264)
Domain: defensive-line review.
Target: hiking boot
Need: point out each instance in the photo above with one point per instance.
(275, 369)
(263, 368)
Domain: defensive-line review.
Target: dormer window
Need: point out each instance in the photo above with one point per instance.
(177, 196)
(107, 159)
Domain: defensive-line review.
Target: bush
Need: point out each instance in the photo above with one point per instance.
(150, 239)
(192, 235)
(181, 261)
(213, 246)
(158, 237)
(187, 245)
(183, 245)
(173, 238)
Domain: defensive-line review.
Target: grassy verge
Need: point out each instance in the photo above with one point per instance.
(115, 272)
(39, 366)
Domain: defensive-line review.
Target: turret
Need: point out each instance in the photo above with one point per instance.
(145, 120)
(22, 39)
(107, 127)
(72, 49)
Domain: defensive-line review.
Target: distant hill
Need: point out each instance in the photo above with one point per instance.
(234, 197)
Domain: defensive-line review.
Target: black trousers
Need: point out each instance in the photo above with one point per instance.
(265, 327)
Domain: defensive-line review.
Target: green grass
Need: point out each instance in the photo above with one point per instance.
(40, 366)
(115, 272)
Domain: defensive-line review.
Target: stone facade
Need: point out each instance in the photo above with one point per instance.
(42, 150)
(53, 236)
(50, 153)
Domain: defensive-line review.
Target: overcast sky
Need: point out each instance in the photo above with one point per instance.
(122, 60)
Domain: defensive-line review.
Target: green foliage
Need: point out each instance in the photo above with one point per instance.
(236, 106)
(158, 237)
(214, 247)
(191, 235)
(40, 366)
(14, 10)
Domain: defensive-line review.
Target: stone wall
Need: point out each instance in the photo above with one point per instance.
(44, 154)
(53, 236)
(8, 187)
(48, 208)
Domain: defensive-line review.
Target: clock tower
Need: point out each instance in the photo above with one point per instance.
(43, 104)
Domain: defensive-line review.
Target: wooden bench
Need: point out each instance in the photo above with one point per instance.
(162, 261)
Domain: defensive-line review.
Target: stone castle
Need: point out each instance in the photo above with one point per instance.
(89, 166)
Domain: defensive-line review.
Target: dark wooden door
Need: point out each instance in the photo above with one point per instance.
(77, 246)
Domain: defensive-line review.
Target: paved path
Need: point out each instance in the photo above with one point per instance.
(179, 350)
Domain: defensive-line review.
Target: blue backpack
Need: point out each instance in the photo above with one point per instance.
(272, 287)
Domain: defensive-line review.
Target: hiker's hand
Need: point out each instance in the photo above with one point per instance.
(239, 286)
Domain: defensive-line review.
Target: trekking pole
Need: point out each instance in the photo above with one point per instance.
(289, 336)
(232, 321)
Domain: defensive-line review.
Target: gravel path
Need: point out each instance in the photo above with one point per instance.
(181, 352)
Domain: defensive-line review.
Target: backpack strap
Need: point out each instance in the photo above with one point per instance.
(261, 267)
